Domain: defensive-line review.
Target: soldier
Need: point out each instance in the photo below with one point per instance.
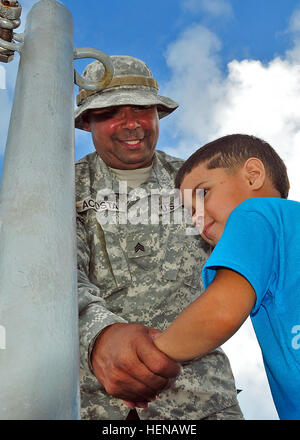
(135, 276)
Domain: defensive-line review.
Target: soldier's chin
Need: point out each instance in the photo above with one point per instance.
(138, 157)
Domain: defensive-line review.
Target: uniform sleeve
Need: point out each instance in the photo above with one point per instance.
(248, 246)
(93, 313)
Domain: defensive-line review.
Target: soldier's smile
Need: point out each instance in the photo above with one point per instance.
(131, 144)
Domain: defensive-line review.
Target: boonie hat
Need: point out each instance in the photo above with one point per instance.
(132, 84)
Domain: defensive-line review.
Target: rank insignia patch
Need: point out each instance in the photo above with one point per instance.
(139, 247)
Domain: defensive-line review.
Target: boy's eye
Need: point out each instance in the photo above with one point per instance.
(191, 211)
(201, 193)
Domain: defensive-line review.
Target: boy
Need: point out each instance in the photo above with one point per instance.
(254, 268)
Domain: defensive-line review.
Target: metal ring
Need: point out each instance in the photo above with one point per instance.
(18, 37)
(9, 24)
(86, 52)
(10, 46)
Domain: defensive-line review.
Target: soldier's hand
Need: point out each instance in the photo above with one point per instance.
(128, 365)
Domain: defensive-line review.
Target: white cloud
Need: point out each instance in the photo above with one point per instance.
(195, 83)
(251, 97)
(213, 7)
(294, 24)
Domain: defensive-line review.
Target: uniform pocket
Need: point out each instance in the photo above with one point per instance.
(184, 259)
(194, 280)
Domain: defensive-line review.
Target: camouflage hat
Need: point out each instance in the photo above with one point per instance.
(132, 84)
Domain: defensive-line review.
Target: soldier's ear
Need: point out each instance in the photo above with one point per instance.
(87, 126)
(86, 122)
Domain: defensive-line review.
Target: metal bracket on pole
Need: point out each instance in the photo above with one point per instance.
(86, 52)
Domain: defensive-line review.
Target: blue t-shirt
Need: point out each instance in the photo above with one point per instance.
(261, 241)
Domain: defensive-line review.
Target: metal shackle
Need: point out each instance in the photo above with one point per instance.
(86, 52)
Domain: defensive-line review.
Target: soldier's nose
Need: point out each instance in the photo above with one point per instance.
(129, 118)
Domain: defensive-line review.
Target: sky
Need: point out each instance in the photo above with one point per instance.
(233, 66)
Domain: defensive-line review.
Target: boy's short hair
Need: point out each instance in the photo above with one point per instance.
(231, 152)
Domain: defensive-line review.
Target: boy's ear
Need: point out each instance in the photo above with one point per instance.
(255, 173)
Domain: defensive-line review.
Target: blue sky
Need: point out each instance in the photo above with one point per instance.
(248, 29)
(233, 66)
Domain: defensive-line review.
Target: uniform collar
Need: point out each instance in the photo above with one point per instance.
(159, 177)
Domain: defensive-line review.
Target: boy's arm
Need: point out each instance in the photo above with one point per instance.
(211, 319)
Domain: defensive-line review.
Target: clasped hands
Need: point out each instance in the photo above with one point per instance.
(129, 366)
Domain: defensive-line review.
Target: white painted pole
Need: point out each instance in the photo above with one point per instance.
(38, 301)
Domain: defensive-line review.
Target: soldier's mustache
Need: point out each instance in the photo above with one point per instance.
(128, 135)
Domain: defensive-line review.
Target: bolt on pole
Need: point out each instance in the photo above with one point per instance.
(39, 361)
(10, 12)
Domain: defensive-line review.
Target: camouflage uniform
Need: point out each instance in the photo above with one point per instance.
(149, 284)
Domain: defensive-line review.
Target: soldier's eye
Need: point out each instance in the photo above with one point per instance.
(140, 108)
(105, 115)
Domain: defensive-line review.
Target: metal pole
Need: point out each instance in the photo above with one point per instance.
(38, 301)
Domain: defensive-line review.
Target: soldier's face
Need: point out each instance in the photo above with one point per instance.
(125, 137)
